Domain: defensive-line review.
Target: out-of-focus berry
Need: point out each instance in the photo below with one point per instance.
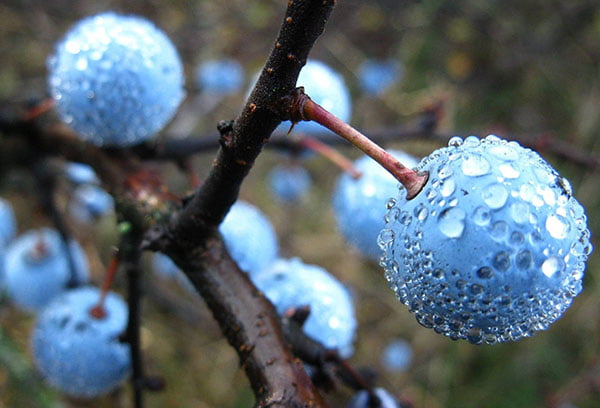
(376, 76)
(224, 76)
(362, 400)
(289, 183)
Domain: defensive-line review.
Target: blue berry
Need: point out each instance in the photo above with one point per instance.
(292, 283)
(397, 356)
(77, 353)
(249, 237)
(80, 173)
(90, 202)
(493, 248)
(359, 204)
(376, 76)
(327, 88)
(289, 183)
(362, 400)
(37, 268)
(117, 80)
(8, 223)
(225, 76)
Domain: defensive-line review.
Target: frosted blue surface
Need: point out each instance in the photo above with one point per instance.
(376, 76)
(494, 247)
(8, 222)
(289, 283)
(250, 237)
(224, 76)
(37, 269)
(289, 183)
(361, 399)
(78, 354)
(117, 80)
(90, 202)
(359, 205)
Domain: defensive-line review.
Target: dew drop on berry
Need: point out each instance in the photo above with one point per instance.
(482, 216)
(516, 238)
(565, 185)
(485, 273)
(501, 261)
(455, 141)
(390, 203)
(495, 196)
(448, 187)
(444, 172)
(509, 171)
(452, 222)
(504, 152)
(475, 165)
(557, 226)
(421, 212)
(499, 230)
(519, 212)
(552, 265)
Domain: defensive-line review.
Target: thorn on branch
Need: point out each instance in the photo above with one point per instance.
(225, 128)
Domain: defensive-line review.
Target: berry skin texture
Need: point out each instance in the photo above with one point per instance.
(376, 76)
(117, 80)
(79, 354)
(359, 204)
(492, 249)
(8, 222)
(225, 76)
(361, 399)
(37, 268)
(289, 183)
(249, 237)
(290, 283)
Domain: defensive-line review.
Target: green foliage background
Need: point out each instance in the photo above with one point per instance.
(512, 68)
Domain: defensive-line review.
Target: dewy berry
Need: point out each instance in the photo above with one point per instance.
(376, 76)
(224, 76)
(116, 80)
(77, 353)
(8, 222)
(493, 248)
(90, 202)
(250, 237)
(359, 204)
(362, 400)
(289, 182)
(37, 268)
(290, 283)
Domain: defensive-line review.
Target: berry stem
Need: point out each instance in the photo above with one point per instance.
(412, 180)
(98, 311)
(331, 154)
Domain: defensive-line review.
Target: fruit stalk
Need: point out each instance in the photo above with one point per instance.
(412, 180)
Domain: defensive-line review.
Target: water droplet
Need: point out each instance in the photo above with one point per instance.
(499, 230)
(495, 196)
(558, 226)
(471, 141)
(517, 238)
(519, 212)
(501, 261)
(421, 212)
(455, 141)
(565, 185)
(405, 218)
(475, 165)
(509, 171)
(552, 265)
(452, 222)
(390, 203)
(448, 187)
(81, 63)
(482, 216)
(524, 259)
(548, 196)
(485, 273)
(476, 289)
(444, 172)
(385, 237)
(504, 152)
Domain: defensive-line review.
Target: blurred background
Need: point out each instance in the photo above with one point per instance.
(513, 68)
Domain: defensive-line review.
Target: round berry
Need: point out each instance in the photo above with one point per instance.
(117, 80)
(376, 76)
(90, 202)
(37, 268)
(289, 183)
(362, 400)
(225, 76)
(327, 88)
(249, 237)
(77, 353)
(8, 222)
(493, 248)
(80, 173)
(397, 356)
(290, 283)
(359, 204)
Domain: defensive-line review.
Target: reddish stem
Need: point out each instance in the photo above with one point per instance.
(98, 311)
(39, 109)
(331, 154)
(412, 180)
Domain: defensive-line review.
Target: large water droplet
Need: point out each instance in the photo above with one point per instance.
(504, 152)
(558, 226)
(444, 172)
(482, 216)
(448, 187)
(501, 261)
(455, 141)
(499, 230)
(421, 212)
(485, 273)
(452, 222)
(519, 212)
(509, 171)
(552, 265)
(475, 165)
(495, 196)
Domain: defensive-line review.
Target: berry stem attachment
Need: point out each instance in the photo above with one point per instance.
(303, 108)
(331, 154)
(98, 311)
